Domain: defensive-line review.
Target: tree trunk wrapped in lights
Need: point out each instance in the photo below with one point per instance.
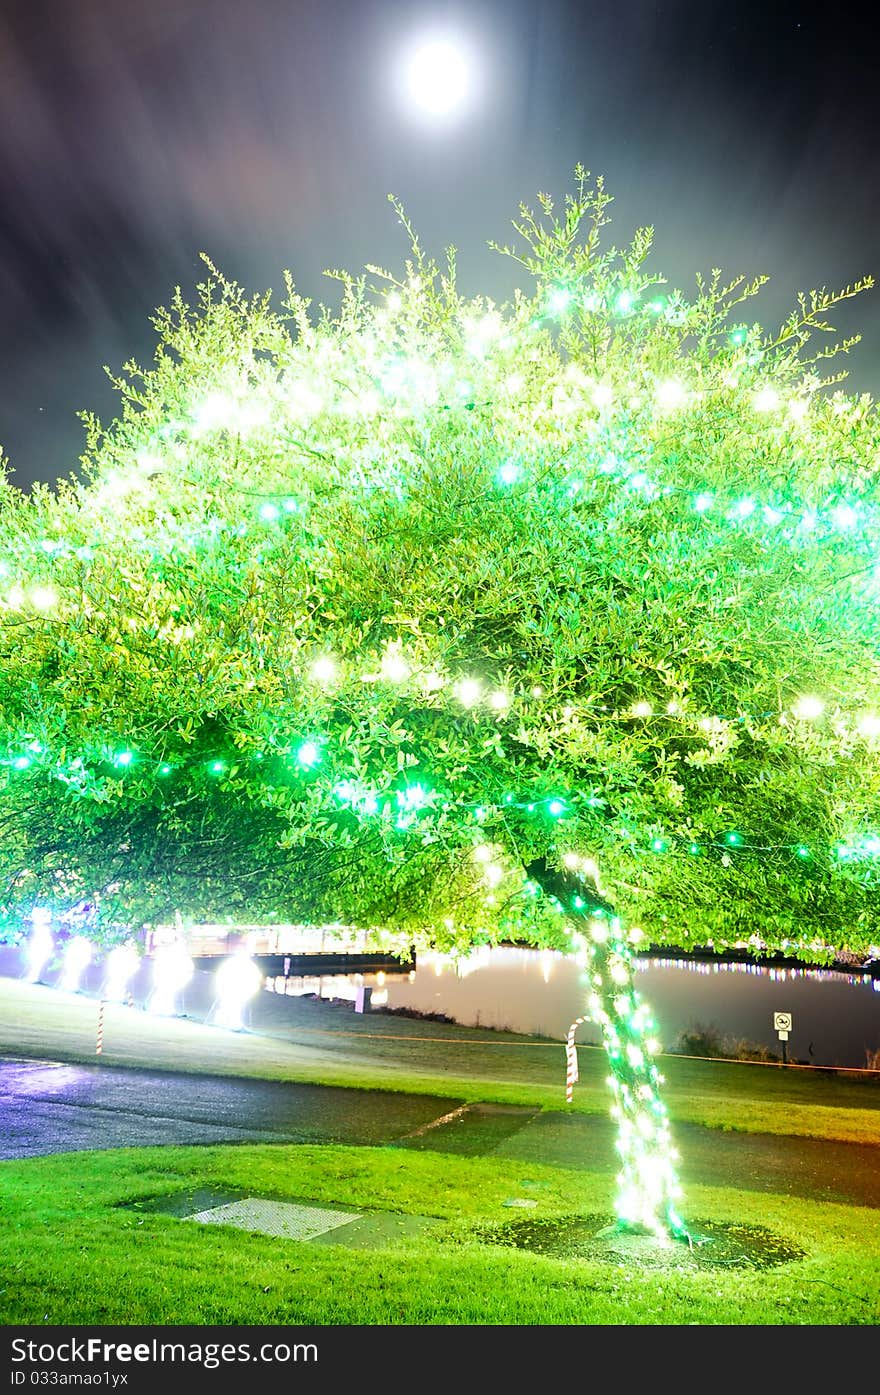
(352, 617)
(648, 1190)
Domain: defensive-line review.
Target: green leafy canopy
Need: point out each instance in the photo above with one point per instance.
(354, 615)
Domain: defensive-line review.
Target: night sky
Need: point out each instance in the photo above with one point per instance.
(136, 133)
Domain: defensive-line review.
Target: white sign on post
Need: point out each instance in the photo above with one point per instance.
(783, 1026)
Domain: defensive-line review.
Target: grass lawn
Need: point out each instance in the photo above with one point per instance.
(69, 1253)
(325, 1044)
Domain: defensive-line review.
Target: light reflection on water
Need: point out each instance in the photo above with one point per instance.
(541, 992)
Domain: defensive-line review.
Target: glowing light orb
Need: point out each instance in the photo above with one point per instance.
(172, 970)
(468, 692)
(323, 670)
(869, 724)
(122, 964)
(44, 597)
(844, 516)
(438, 78)
(236, 980)
(394, 668)
(77, 957)
(809, 708)
(509, 473)
(670, 395)
(560, 299)
(767, 400)
(743, 508)
(40, 945)
(413, 797)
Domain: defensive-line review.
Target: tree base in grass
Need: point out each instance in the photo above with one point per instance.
(711, 1245)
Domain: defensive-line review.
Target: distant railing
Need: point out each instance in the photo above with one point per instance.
(208, 941)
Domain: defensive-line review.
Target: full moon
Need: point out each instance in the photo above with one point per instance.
(437, 77)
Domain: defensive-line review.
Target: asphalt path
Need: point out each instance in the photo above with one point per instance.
(51, 1107)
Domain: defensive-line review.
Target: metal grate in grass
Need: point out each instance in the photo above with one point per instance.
(281, 1219)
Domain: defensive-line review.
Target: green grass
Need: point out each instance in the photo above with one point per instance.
(328, 1045)
(69, 1254)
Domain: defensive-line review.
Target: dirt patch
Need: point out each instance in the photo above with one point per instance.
(713, 1244)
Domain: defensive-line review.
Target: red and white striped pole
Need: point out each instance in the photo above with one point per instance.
(571, 1059)
(99, 1044)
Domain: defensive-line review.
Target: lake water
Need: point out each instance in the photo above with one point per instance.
(542, 992)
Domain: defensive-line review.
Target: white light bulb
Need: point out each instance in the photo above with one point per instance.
(324, 669)
(214, 412)
(844, 516)
(43, 597)
(395, 669)
(808, 708)
(767, 400)
(468, 692)
(591, 869)
(670, 394)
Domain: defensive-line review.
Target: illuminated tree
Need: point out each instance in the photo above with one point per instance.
(553, 622)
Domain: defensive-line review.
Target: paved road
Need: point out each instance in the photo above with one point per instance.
(47, 1107)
